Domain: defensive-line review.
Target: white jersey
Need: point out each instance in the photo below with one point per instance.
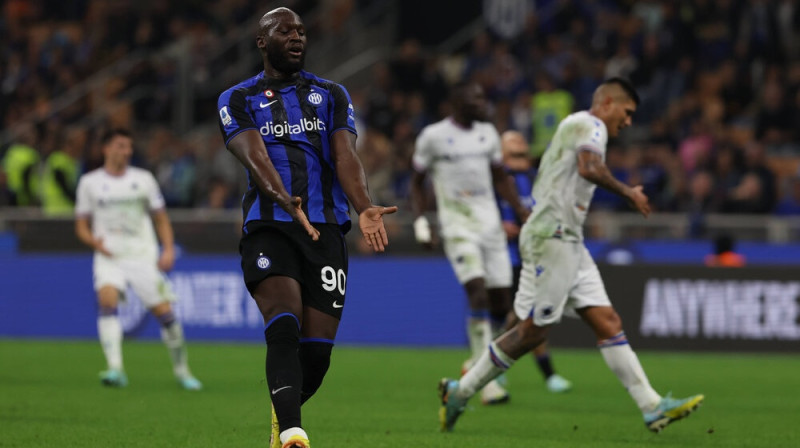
(460, 160)
(562, 195)
(119, 207)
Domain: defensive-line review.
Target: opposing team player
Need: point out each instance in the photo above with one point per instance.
(295, 134)
(462, 152)
(113, 213)
(518, 162)
(558, 274)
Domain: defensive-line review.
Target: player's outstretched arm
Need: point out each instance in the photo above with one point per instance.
(351, 176)
(592, 168)
(249, 148)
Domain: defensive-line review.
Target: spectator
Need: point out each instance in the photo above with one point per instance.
(21, 168)
(725, 255)
(60, 174)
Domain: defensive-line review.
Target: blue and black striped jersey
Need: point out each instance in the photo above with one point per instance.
(296, 119)
(523, 180)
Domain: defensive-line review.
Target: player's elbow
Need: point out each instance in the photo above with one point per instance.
(587, 172)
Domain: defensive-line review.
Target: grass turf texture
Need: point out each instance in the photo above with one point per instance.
(382, 397)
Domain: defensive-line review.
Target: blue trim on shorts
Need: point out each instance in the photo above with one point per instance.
(281, 315)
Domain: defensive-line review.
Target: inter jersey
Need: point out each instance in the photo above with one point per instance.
(296, 119)
(460, 162)
(523, 180)
(119, 208)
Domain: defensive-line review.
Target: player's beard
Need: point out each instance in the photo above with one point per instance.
(278, 60)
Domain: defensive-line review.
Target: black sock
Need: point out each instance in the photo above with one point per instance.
(545, 366)
(284, 374)
(315, 357)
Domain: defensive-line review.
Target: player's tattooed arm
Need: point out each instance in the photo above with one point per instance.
(592, 168)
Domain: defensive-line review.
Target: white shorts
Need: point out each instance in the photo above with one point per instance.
(144, 278)
(485, 258)
(558, 277)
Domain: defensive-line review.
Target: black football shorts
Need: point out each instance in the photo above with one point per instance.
(284, 248)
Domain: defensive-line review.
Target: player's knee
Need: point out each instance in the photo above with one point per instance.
(166, 318)
(282, 329)
(315, 357)
(608, 324)
(108, 297)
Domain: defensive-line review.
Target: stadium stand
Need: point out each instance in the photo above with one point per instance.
(717, 134)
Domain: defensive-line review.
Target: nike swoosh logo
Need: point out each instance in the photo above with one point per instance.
(275, 391)
(265, 105)
(336, 305)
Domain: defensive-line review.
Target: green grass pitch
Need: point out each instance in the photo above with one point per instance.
(382, 397)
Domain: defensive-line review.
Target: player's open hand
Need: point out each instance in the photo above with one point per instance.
(100, 247)
(371, 223)
(638, 201)
(167, 259)
(297, 213)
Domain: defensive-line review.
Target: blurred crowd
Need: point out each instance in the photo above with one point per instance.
(717, 131)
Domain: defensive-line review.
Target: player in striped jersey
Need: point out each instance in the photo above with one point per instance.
(295, 134)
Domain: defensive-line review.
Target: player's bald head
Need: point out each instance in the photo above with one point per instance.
(512, 138)
(618, 89)
(271, 18)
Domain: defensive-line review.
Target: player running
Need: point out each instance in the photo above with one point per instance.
(558, 274)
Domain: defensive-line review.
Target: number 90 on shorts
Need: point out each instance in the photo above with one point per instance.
(334, 280)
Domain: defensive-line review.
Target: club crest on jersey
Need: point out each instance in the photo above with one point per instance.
(315, 98)
(263, 262)
(269, 94)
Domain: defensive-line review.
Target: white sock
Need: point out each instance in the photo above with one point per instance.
(491, 363)
(172, 336)
(625, 364)
(479, 333)
(109, 331)
(285, 435)
(497, 329)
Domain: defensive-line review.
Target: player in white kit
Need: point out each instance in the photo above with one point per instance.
(463, 155)
(113, 217)
(558, 274)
